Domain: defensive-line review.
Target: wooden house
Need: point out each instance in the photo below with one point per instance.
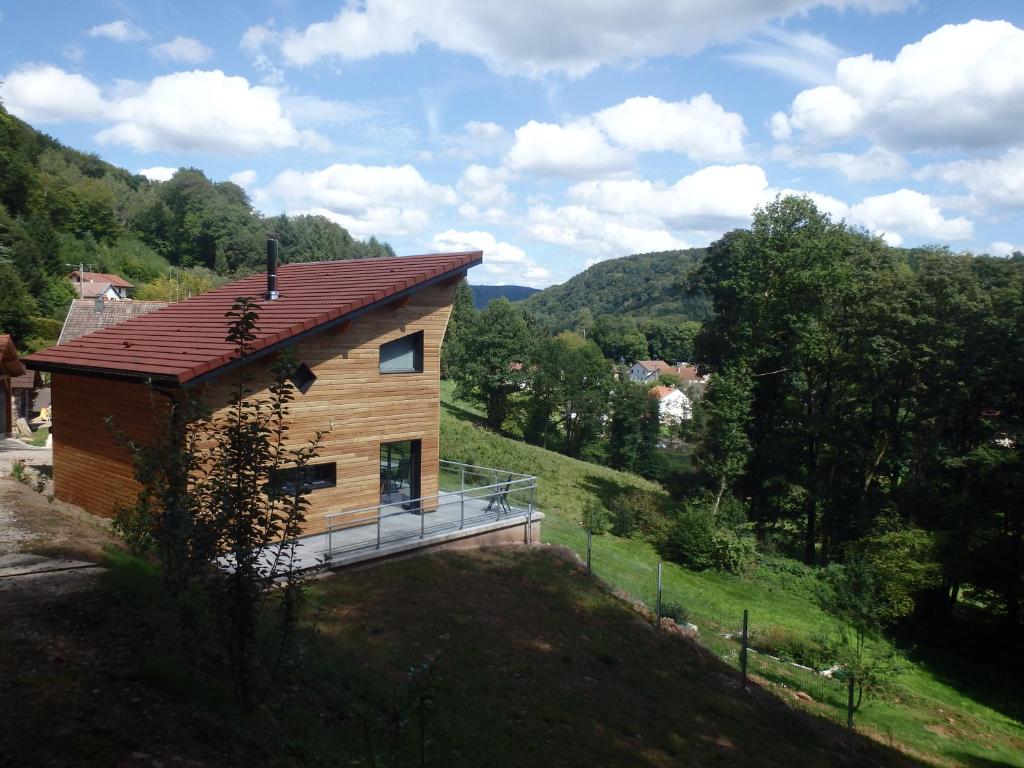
(10, 368)
(367, 337)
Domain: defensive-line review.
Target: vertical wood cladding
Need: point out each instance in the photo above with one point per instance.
(351, 402)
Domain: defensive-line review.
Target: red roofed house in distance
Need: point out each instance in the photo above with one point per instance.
(366, 335)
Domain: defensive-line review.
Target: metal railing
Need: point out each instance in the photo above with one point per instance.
(468, 496)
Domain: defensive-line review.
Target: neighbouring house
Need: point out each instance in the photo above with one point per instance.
(367, 337)
(10, 368)
(674, 405)
(23, 393)
(649, 371)
(88, 315)
(92, 285)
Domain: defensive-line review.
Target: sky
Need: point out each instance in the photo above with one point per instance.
(550, 134)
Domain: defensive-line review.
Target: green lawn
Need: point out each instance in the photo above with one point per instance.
(931, 713)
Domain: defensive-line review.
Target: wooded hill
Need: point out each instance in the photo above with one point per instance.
(485, 294)
(640, 286)
(59, 206)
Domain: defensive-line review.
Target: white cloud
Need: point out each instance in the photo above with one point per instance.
(205, 110)
(503, 264)
(905, 212)
(780, 126)
(316, 111)
(570, 37)
(801, 56)
(122, 30)
(576, 149)
(185, 111)
(477, 139)
(872, 164)
(158, 173)
(699, 128)
(244, 179)
(184, 49)
(711, 199)
(40, 93)
(959, 86)
(484, 193)
(386, 201)
(998, 181)
(601, 234)
(1004, 249)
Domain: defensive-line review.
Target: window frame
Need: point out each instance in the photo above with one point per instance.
(284, 482)
(417, 355)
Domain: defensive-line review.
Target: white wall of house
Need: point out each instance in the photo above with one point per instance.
(675, 407)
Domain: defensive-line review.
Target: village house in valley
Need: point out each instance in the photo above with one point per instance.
(650, 371)
(674, 405)
(92, 285)
(88, 315)
(366, 335)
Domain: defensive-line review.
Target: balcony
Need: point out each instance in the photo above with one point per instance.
(482, 503)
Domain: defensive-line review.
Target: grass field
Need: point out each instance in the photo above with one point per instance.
(943, 707)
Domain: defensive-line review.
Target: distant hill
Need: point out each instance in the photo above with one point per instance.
(642, 285)
(484, 294)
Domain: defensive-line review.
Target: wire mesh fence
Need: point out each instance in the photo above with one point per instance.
(725, 634)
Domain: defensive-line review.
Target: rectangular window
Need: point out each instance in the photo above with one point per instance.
(400, 472)
(313, 477)
(404, 355)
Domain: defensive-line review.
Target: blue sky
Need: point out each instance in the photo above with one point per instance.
(556, 133)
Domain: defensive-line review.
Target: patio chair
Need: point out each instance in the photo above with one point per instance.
(501, 499)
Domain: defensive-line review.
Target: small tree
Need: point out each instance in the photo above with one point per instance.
(216, 513)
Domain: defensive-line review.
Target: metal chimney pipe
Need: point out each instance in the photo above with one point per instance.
(271, 268)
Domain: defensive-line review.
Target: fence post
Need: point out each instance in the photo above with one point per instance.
(378, 527)
(462, 497)
(849, 703)
(588, 553)
(743, 652)
(658, 604)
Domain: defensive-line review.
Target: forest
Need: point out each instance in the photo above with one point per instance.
(865, 408)
(60, 208)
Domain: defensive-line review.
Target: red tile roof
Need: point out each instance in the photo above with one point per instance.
(100, 277)
(661, 392)
(10, 365)
(185, 340)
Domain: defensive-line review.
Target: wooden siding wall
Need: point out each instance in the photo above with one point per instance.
(357, 407)
(91, 466)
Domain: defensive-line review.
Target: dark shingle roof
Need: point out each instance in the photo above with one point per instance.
(84, 318)
(186, 340)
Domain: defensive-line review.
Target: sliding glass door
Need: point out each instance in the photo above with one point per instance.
(400, 472)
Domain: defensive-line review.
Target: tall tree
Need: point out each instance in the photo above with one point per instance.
(494, 360)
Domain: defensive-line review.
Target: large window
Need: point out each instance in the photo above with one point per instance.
(312, 477)
(404, 355)
(400, 472)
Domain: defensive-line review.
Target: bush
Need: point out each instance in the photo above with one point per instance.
(732, 552)
(637, 512)
(595, 517)
(788, 645)
(690, 539)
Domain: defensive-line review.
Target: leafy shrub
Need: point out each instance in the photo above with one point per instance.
(788, 645)
(732, 552)
(637, 512)
(690, 538)
(595, 516)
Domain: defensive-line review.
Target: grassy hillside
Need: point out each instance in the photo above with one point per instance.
(942, 707)
(502, 658)
(485, 294)
(643, 285)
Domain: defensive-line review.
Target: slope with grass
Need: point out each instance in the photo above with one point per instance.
(942, 707)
